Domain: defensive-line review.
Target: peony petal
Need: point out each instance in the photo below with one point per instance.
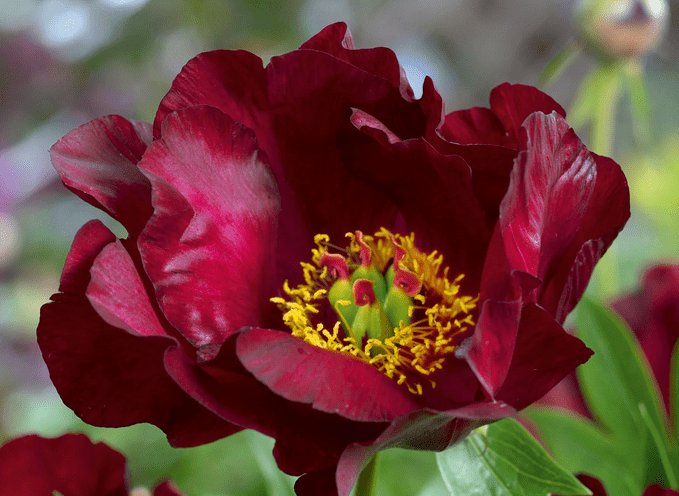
(209, 248)
(534, 360)
(98, 162)
(425, 430)
(111, 376)
(321, 483)
(435, 197)
(551, 186)
(607, 212)
(513, 103)
(336, 40)
(331, 382)
(168, 488)
(317, 194)
(476, 125)
(70, 464)
(307, 440)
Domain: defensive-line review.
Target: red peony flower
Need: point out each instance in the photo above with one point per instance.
(471, 238)
(71, 465)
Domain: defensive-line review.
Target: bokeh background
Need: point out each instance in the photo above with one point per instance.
(65, 62)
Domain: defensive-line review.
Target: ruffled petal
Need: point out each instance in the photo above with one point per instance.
(331, 382)
(336, 40)
(476, 125)
(513, 103)
(71, 464)
(114, 376)
(98, 162)
(209, 248)
(432, 191)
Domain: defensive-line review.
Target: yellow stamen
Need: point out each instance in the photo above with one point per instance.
(415, 351)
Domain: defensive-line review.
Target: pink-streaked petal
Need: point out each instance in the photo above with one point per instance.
(117, 293)
(307, 440)
(435, 197)
(70, 464)
(111, 376)
(210, 247)
(551, 186)
(336, 40)
(513, 103)
(425, 430)
(535, 370)
(607, 212)
(330, 381)
(98, 162)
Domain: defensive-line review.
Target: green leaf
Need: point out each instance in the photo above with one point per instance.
(617, 379)
(503, 459)
(581, 447)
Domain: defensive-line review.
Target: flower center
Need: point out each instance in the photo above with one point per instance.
(382, 301)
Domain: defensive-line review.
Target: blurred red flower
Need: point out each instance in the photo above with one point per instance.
(248, 169)
(598, 489)
(70, 464)
(652, 312)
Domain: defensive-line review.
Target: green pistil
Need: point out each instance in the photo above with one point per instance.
(371, 273)
(397, 306)
(341, 291)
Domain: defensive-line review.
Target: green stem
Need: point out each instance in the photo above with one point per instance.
(365, 486)
(603, 115)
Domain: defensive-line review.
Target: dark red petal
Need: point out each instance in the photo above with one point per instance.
(98, 162)
(425, 430)
(70, 464)
(593, 484)
(549, 194)
(111, 376)
(656, 490)
(432, 191)
(210, 247)
(233, 81)
(331, 382)
(168, 488)
(544, 354)
(607, 212)
(321, 483)
(474, 126)
(307, 440)
(87, 244)
(336, 40)
(513, 103)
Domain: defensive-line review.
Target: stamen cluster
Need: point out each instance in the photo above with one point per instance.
(406, 351)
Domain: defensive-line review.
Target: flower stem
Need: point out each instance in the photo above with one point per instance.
(365, 486)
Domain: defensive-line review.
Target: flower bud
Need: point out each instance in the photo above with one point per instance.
(622, 29)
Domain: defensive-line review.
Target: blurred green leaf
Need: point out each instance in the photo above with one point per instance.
(617, 379)
(503, 459)
(581, 447)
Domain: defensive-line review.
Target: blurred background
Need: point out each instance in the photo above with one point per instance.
(65, 62)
